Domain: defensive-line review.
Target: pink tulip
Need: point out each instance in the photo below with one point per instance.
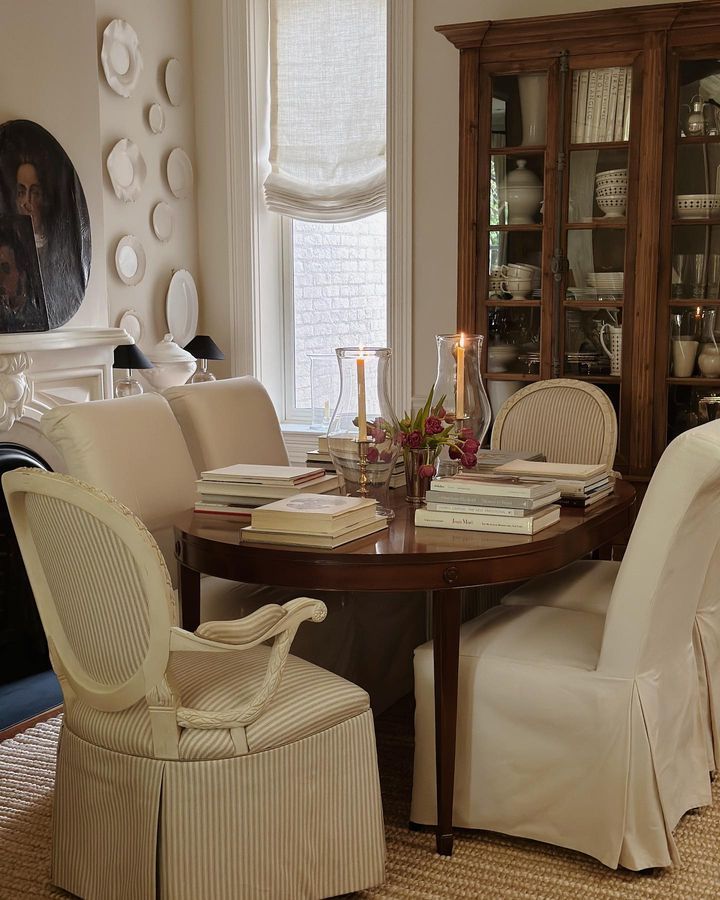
(426, 471)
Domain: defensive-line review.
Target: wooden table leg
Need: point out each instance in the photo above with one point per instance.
(446, 644)
(189, 595)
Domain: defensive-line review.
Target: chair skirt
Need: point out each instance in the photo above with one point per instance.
(306, 821)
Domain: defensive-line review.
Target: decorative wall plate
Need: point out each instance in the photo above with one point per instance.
(174, 81)
(132, 323)
(130, 260)
(181, 307)
(121, 58)
(127, 170)
(156, 118)
(163, 221)
(180, 173)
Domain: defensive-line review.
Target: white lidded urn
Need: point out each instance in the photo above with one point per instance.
(523, 194)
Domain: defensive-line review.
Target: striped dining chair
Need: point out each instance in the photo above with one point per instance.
(196, 766)
(569, 421)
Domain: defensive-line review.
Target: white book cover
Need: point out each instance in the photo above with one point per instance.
(602, 130)
(496, 485)
(612, 103)
(256, 474)
(272, 491)
(628, 104)
(573, 117)
(314, 514)
(561, 471)
(589, 136)
(436, 495)
(582, 105)
(529, 524)
(304, 539)
(620, 108)
(502, 511)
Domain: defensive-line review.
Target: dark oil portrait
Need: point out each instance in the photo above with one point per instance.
(38, 181)
(22, 301)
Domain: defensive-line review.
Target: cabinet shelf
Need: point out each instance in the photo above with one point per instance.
(593, 304)
(616, 223)
(601, 145)
(691, 304)
(509, 376)
(695, 381)
(596, 379)
(705, 220)
(702, 139)
(537, 150)
(523, 304)
(529, 227)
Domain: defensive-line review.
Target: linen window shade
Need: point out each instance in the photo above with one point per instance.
(328, 87)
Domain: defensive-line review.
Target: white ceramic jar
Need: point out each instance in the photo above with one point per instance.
(709, 361)
(523, 194)
(173, 365)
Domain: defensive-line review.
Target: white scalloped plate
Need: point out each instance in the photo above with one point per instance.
(181, 307)
(130, 260)
(132, 323)
(156, 118)
(121, 58)
(174, 81)
(127, 170)
(179, 172)
(163, 221)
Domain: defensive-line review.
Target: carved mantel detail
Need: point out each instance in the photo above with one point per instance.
(14, 388)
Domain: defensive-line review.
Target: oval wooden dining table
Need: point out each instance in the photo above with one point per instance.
(403, 558)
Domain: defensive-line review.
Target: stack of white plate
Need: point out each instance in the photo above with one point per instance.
(606, 281)
(611, 189)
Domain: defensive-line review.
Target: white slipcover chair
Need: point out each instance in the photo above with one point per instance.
(567, 420)
(204, 766)
(374, 634)
(584, 728)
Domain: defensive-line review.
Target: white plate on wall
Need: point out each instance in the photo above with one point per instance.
(174, 81)
(121, 58)
(179, 173)
(163, 221)
(132, 323)
(127, 170)
(181, 307)
(156, 118)
(130, 260)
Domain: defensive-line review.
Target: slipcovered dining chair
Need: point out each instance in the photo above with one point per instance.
(205, 766)
(569, 421)
(234, 420)
(584, 728)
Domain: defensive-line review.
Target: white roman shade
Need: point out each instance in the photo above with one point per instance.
(327, 85)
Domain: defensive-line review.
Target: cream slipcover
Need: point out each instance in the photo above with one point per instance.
(230, 421)
(585, 728)
(202, 766)
(567, 420)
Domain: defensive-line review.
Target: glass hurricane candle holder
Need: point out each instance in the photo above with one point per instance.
(459, 382)
(362, 434)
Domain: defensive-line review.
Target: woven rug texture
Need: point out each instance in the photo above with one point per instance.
(484, 865)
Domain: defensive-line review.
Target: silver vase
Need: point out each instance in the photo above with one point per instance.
(416, 485)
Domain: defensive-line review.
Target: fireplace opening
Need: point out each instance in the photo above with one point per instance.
(23, 648)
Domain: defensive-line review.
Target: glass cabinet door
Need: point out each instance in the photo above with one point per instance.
(692, 283)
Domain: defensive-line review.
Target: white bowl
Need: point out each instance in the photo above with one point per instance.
(612, 189)
(611, 173)
(613, 207)
(696, 206)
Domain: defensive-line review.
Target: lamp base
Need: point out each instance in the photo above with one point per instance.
(201, 376)
(128, 387)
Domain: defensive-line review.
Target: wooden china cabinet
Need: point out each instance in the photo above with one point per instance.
(589, 210)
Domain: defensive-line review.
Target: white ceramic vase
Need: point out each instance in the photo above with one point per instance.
(523, 194)
(533, 107)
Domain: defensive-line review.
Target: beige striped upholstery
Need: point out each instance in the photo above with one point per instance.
(569, 421)
(190, 767)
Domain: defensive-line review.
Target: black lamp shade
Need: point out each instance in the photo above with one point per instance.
(130, 356)
(202, 346)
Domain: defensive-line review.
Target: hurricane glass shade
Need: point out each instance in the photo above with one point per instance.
(129, 356)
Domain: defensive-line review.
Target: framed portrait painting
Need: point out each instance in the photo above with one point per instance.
(22, 299)
(39, 182)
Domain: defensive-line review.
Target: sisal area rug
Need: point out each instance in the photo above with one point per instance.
(484, 865)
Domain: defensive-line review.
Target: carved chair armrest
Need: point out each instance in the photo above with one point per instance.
(294, 613)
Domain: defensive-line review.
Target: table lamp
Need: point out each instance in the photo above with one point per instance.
(129, 356)
(203, 348)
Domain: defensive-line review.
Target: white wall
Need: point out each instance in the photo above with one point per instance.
(164, 30)
(48, 74)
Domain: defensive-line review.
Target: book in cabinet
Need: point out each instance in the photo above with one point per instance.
(568, 270)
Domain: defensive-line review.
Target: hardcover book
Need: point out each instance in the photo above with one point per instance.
(323, 541)
(253, 474)
(529, 524)
(314, 514)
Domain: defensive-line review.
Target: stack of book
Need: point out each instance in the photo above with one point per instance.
(483, 502)
(489, 460)
(321, 459)
(311, 520)
(580, 486)
(601, 105)
(237, 490)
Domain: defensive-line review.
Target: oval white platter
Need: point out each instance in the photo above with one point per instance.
(179, 173)
(156, 118)
(181, 307)
(121, 58)
(163, 221)
(132, 323)
(127, 170)
(174, 81)
(130, 260)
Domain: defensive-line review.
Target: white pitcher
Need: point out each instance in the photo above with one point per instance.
(614, 351)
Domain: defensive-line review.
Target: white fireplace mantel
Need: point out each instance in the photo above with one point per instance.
(40, 370)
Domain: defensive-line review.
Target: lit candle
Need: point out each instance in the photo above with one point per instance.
(362, 414)
(460, 380)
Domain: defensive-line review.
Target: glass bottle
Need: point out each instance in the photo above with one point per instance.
(362, 434)
(460, 385)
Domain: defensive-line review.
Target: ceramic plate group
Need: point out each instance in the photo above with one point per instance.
(181, 307)
(121, 58)
(127, 170)
(130, 260)
(179, 173)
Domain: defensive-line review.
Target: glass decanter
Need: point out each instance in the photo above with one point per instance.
(362, 434)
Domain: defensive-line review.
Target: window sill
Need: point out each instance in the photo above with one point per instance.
(299, 438)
